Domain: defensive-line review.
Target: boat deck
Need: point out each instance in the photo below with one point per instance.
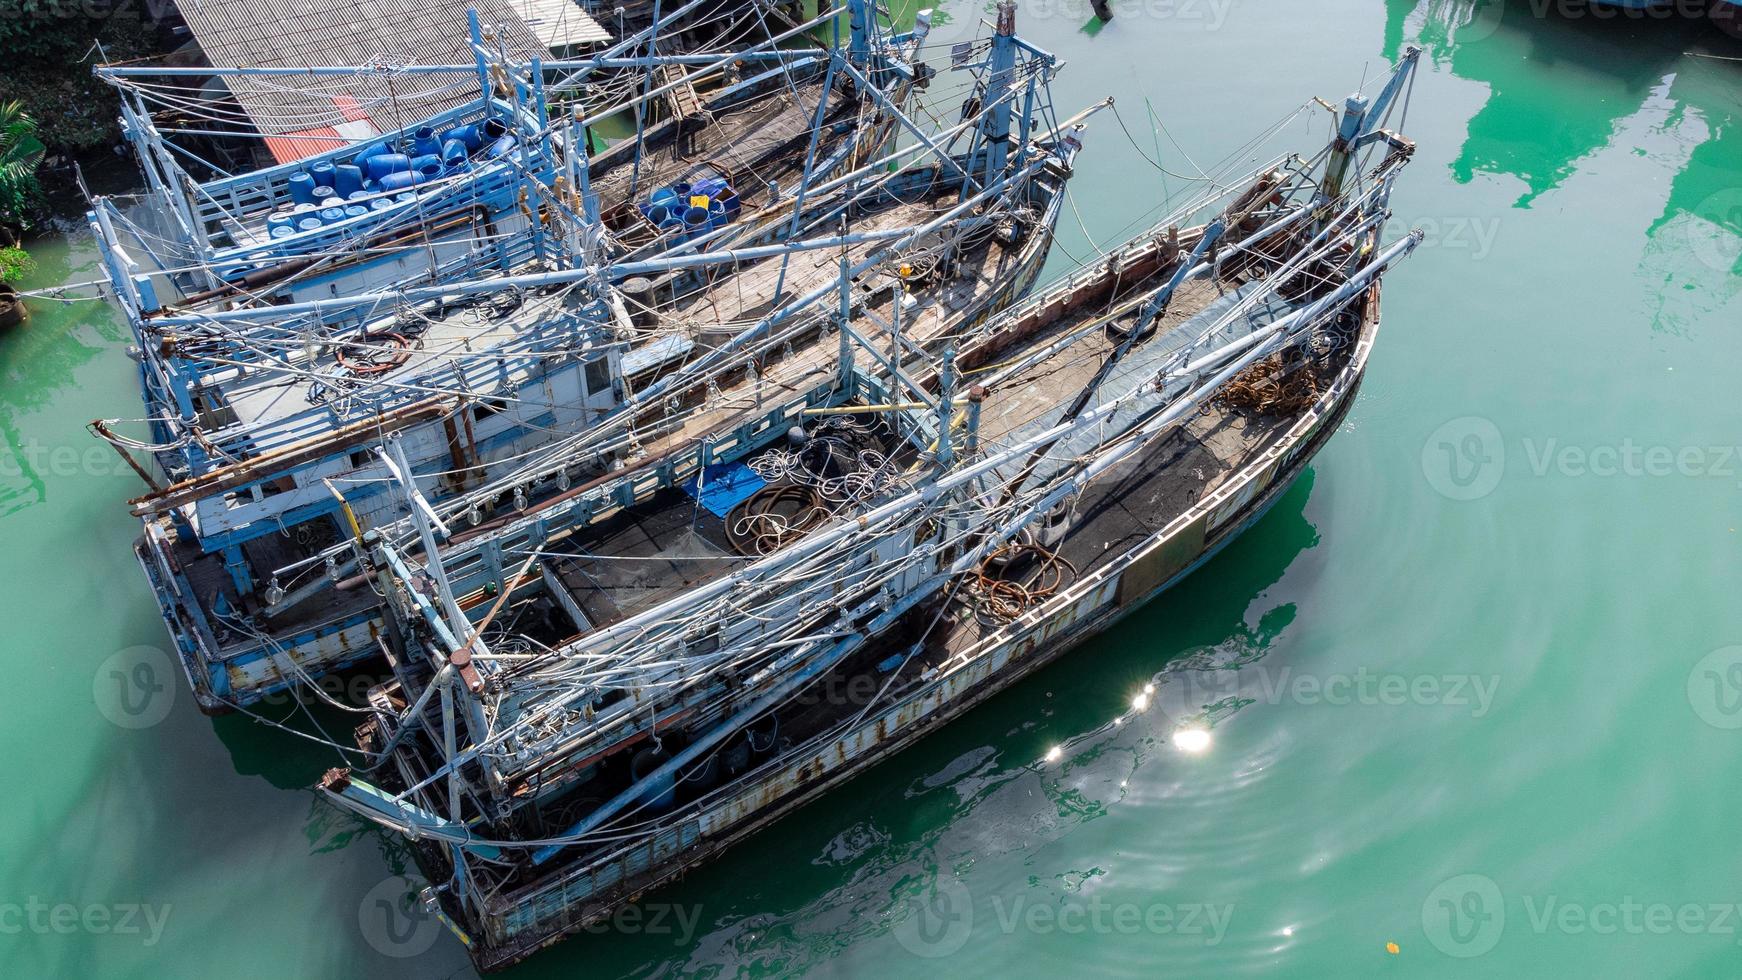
(760, 144)
(422, 344)
(757, 137)
(931, 313)
(642, 556)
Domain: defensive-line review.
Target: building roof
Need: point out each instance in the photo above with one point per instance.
(560, 24)
(308, 115)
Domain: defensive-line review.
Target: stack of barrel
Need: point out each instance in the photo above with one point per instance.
(687, 210)
(384, 175)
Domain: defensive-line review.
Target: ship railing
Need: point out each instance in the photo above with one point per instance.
(773, 627)
(484, 374)
(437, 202)
(1102, 460)
(479, 562)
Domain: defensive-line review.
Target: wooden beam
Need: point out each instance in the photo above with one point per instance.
(289, 457)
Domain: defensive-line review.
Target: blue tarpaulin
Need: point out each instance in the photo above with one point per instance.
(725, 486)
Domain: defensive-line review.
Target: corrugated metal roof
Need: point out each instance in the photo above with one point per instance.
(560, 23)
(305, 143)
(297, 33)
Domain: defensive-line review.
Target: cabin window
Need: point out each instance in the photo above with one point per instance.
(359, 458)
(598, 375)
(272, 488)
(486, 407)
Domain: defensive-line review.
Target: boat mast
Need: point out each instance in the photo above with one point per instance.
(1361, 120)
(1001, 68)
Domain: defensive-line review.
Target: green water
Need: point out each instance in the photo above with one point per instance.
(1490, 634)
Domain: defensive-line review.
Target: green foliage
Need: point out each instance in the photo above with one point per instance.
(48, 51)
(20, 152)
(15, 264)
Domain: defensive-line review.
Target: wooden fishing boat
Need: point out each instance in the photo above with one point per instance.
(254, 610)
(618, 692)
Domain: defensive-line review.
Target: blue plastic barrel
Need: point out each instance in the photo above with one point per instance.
(469, 135)
(381, 203)
(502, 147)
(399, 181)
(428, 165)
(659, 214)
(359, 195)
(695, 221)
(423, 142)
(375, 150)
(302, 188)
(279, 219)
(283, 231)
(356, 211)
(322, 172)
(682, 190)
(324, 195)
(453, 154)
(332, 216)
(388, 163)
(405, 197)
(347, 179)
(309, 223)
(672, 228)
